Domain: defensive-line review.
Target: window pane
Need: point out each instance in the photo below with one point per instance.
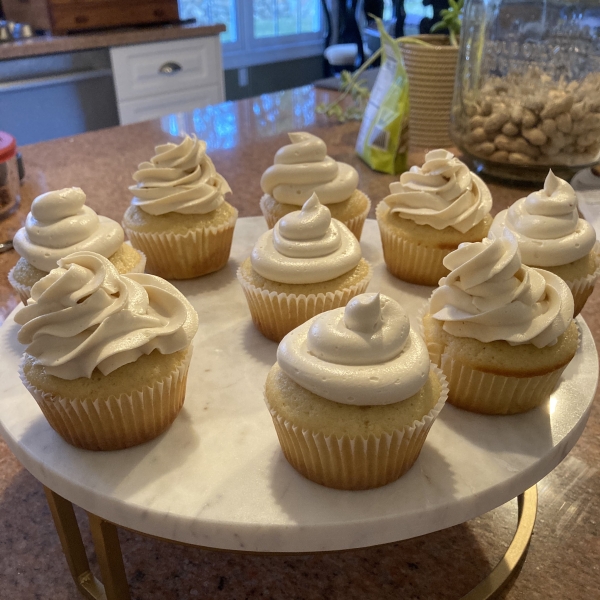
(207, 12)
(285, 17)
(264, 18)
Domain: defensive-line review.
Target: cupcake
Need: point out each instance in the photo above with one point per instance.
(307, 264)
(303, 168)
(501, 332)
(353, 395)
(551, 235)
(178, 215)
(429, 212)
(107, 354)
(59, 224)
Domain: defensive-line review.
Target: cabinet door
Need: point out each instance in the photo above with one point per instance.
(133, 111)
(148, 70)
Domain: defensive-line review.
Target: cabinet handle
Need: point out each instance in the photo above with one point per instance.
(170, 68)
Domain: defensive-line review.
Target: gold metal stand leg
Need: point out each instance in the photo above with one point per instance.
(110, 559)
(509, 567)
(73, 548)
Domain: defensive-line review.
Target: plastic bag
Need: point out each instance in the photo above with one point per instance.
(383, 137)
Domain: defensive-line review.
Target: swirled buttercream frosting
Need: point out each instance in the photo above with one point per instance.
(303, 168)
(364, 354)
(547, 225)
(489, 295)
(306, 246)
(84, 315)
(180, 178)
(59, 224)
(442, 193)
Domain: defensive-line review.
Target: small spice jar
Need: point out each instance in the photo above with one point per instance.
(9, 175)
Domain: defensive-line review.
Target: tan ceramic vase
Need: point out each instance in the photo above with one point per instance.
(431, 72)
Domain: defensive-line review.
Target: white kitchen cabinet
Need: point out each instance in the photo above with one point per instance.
(153, 80)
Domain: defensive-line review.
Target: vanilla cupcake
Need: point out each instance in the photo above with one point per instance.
(353, 395)
(178, 215)
(59, 224)
(501, 332)
(107, 354)
(303, 168)
(552, 236)
(429, 212)
(307, 264)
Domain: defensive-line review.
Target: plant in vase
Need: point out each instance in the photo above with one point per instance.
(430, 61)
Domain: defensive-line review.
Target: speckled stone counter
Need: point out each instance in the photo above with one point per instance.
(57, 44)
(243, 137)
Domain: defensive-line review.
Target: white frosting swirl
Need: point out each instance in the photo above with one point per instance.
(84, 315)
(303, 168)
(180, 178)
(442, 193)
(306, 246)
(59, 224)
(489, 296)
(547, 225)
(364, 354)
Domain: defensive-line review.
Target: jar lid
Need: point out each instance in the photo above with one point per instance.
(8, 146)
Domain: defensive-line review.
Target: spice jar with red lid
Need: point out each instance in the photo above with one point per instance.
(9, 175)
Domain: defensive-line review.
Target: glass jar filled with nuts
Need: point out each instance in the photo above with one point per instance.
(527, 94)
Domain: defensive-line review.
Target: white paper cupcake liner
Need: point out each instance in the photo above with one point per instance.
(583, 287)
(115, 423)
(408, 261)
(183, 256)
(355, 225)
(276, 314)
(24, 291)
(355, 463)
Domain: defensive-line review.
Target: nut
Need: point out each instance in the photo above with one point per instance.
(486, 108)
(499, 156)
(477, 136)
(503, 143)
(533, 103)
(548, 126)
(495, 122)
(520, 146)
(578, 111)
(470, 109)
(536, 136)
(518, 159)
(587, 139)
(476, 122)
(529, 118)
(516, 114)
(556, 106)
(510, 129)
(484, 149)
(549, 150)
(564, 122)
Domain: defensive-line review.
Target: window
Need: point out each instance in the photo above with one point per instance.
(258, 28)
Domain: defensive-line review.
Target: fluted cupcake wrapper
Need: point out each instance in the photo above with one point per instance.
(275, 315)
(182, 256)
(355, 225)
(355, 463)
(583, 287)
(415, 263)
(116, 422)
(24, 291)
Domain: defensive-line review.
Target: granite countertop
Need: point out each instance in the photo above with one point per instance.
(242, 138)
(57, 44)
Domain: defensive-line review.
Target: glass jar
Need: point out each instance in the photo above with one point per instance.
(527, 93)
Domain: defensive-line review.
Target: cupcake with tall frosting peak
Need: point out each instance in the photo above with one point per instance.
(303, 168)
(59, 224)
(551, 236)
(178, 215)
(428, 213)
(502, 332)
(107, 354)
(307, 264)
(353, 394)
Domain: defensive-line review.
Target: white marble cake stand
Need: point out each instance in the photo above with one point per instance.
(217, 478)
